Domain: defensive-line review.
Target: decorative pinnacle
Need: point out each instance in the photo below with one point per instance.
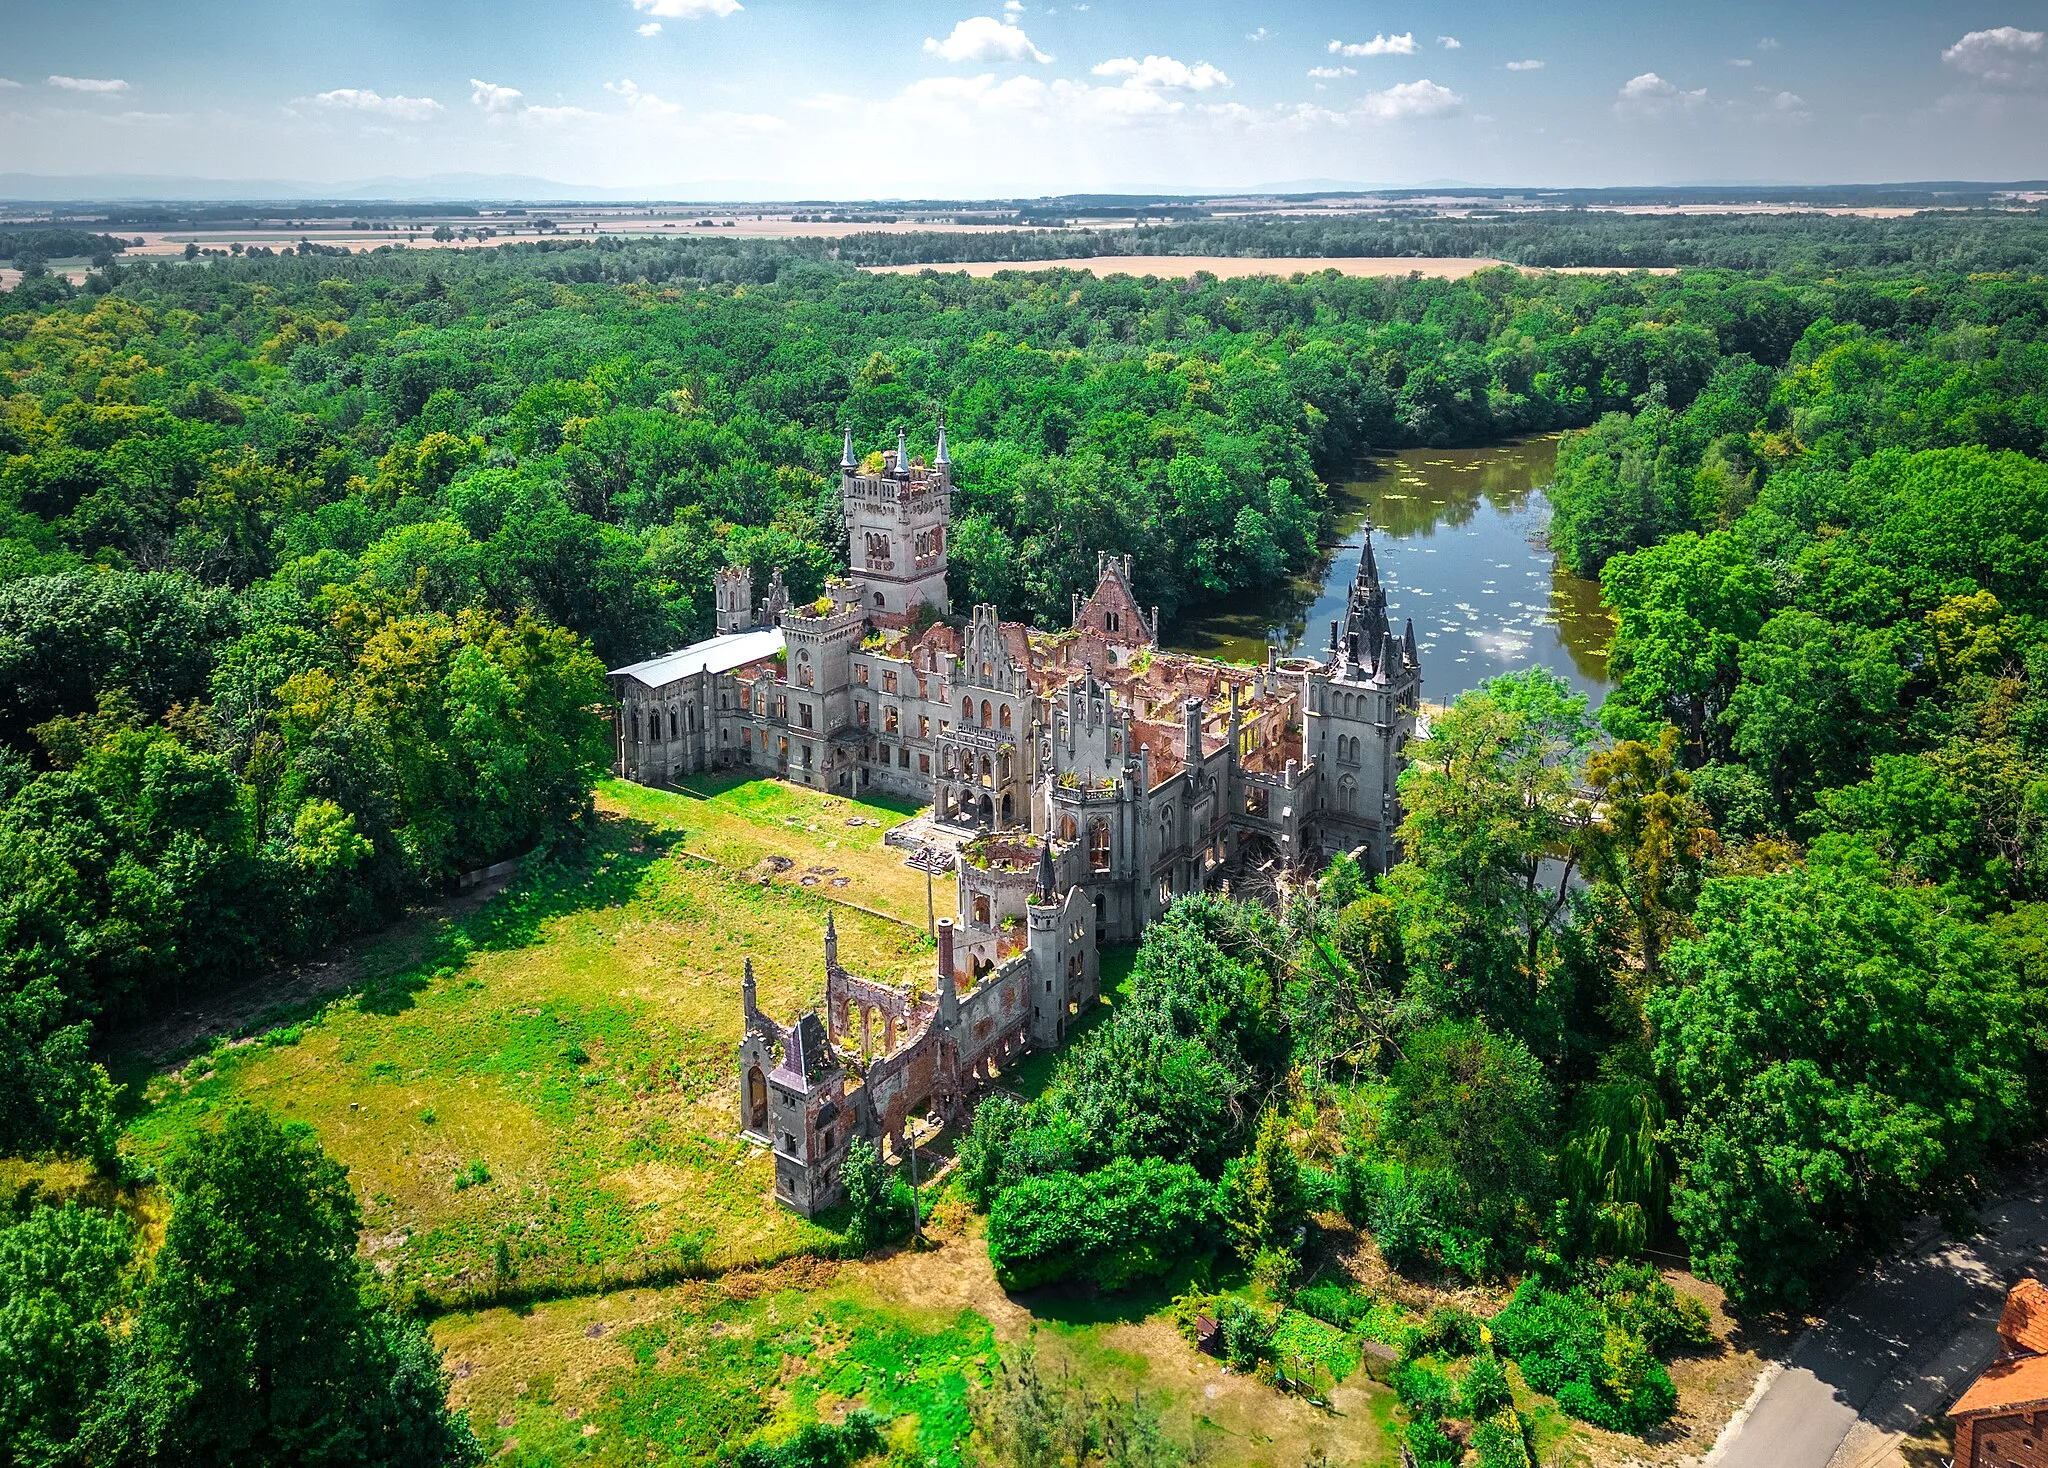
(902, 451)
(846, 458)
(941, 457)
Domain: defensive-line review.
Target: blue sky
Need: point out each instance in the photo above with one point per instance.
(801, 97)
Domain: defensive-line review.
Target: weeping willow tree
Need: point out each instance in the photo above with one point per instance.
(1613, 1165)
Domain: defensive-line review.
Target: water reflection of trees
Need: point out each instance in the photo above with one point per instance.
(1409, 497)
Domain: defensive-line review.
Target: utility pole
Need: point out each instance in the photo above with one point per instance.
(916, 1221)
(931, 922)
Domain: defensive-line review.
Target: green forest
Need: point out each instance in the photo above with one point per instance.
(311, 567)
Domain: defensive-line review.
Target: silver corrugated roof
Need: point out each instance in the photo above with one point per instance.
(718, 654)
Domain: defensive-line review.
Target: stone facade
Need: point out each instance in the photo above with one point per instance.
(1106, 776)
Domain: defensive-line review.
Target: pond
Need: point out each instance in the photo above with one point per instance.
(1459, 536)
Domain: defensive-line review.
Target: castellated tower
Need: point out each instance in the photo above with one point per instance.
(896, 526)
(733, 588)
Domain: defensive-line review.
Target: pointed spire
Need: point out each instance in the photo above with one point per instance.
(902, 453)
(1046, 879)
(1408, 645)
(747, 1003)
(846, 458)
(831, 944)
(941, 456)
(1368, 567)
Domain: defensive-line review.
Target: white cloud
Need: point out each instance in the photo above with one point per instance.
(361, 99)
(1409, 99)
(1450, 43)
(494, 98)
(1329, 73)
(1258, 35)
(1155, 72)
(1769, 43)
(639, 103)
(551, 115)
(652, 28)
(1013, 7)
(981, 93)
(2004, 57)
(7, 84)
(984, 38)
(1651, 95)
(687, 9)
(1525, 66)
(1740, 61)
(88, 84)
(1401, 45)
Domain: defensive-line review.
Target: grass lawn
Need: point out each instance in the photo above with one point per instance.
(672, 1375)
(551, 1089)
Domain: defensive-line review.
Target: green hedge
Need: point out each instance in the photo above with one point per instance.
(1110, 1226)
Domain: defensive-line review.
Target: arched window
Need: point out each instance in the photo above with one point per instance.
(1109, 621)
(1003, 718)
(966, 711)
(981, 908)
(1347, 795)
(1068, 829)
(636, 726)
(985, 720)
(671, 723)
(1098, 846)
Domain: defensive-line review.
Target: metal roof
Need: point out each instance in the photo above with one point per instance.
(718, 654)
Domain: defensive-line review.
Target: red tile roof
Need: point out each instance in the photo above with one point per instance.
(2008, 1386)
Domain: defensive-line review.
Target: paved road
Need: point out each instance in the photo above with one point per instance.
(1899, 1345)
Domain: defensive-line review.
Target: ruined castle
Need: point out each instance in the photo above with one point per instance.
(1103, 776)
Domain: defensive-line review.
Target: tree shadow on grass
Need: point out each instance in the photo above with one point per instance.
(1077, 1306)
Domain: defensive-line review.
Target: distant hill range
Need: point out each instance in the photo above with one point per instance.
(479, 188)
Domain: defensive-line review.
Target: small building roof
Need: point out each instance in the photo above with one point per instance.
(2009, 1386)
(2024, 1325)
(719, 654)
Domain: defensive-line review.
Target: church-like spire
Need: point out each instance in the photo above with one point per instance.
(846, 458)
(1047, 883)
(1366, 625)
(902, 453)
(940, 456)
(831, 944)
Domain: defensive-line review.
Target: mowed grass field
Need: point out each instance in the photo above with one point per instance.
(549, 1093)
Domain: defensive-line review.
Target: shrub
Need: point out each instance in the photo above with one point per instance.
(1640, 1298)
(873, 1217)
(1110, 1226)
(820, 1445)
(1485, 1390)
(1431, 1445)
(1448, 1331)
(1499, 1442)
(1247, 1333)
(1425, 1391)
(1335, 1304)
(1599, 1369)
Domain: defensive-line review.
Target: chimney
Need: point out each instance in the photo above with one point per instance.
(949, 993)
(1191, 718)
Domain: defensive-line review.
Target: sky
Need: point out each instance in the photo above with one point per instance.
(993, 98)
